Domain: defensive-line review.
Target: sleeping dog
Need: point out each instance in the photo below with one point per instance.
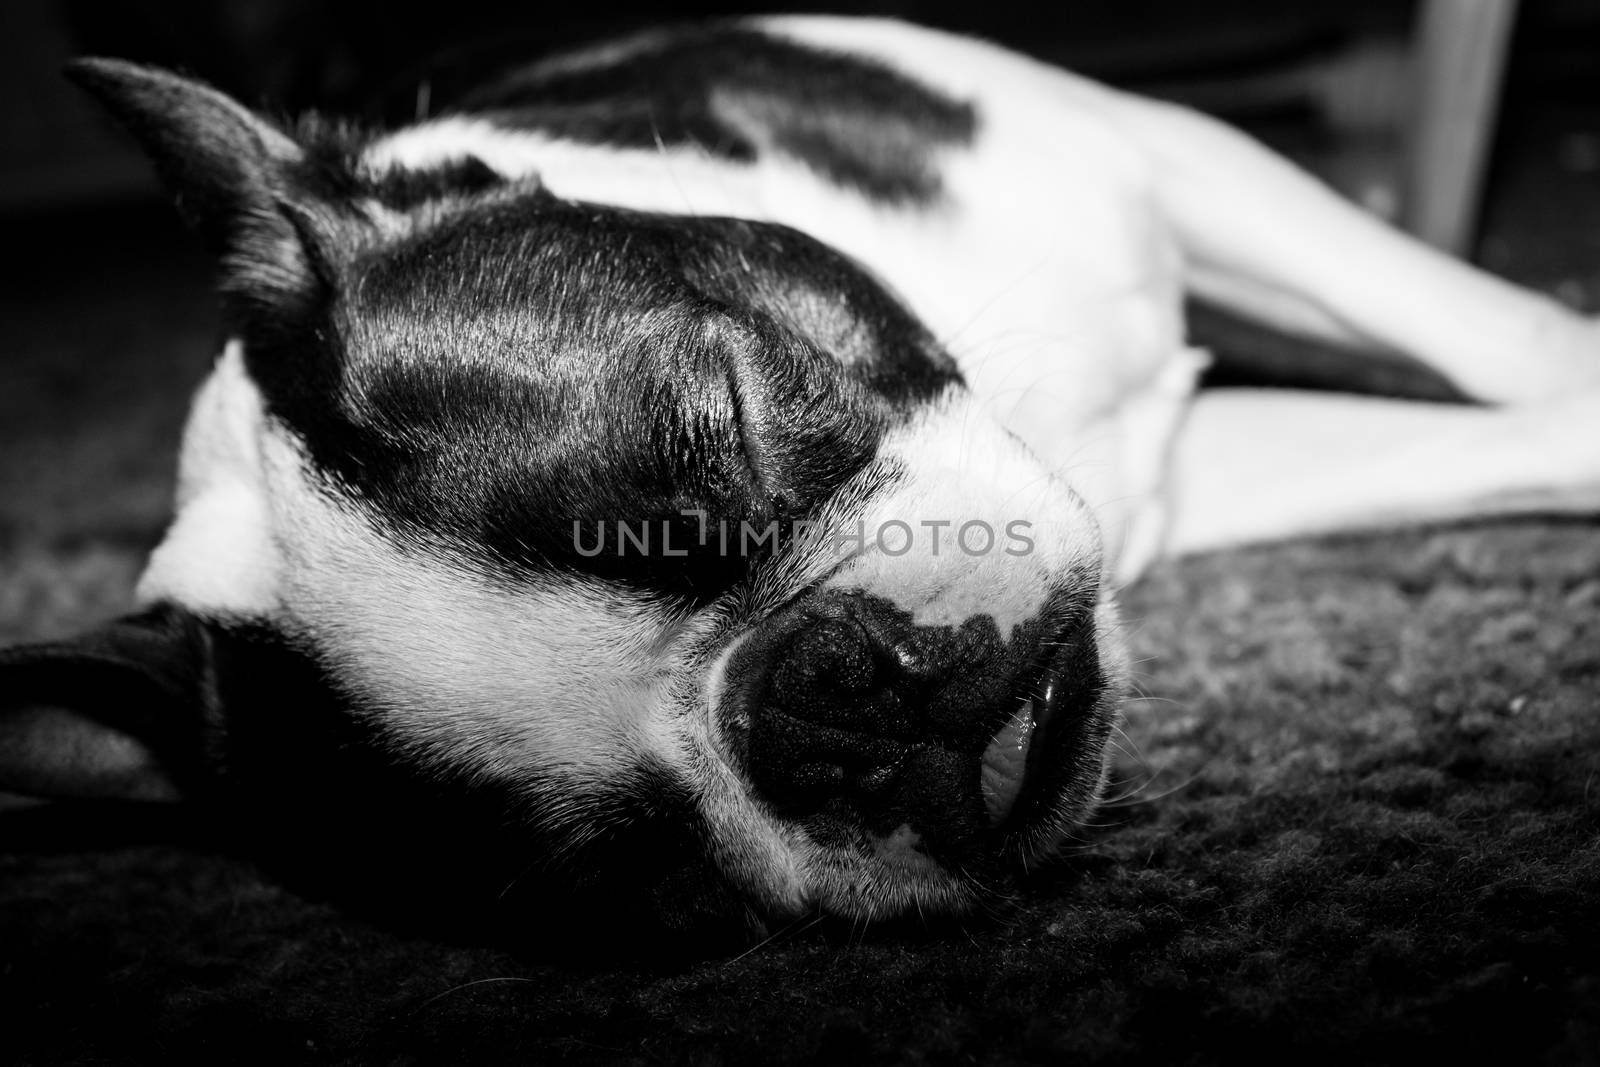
(687, 481)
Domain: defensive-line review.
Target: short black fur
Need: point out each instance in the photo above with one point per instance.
(331, 171)
(523, 375)
(733, 91)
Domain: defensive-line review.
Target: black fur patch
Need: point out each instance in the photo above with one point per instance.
(331, 171)
(526, 365)
(733, 91)
(402, 188)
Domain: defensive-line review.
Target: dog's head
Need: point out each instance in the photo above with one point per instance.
(537, 550)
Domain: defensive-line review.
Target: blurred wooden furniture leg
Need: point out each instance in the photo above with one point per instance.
(1461, 51)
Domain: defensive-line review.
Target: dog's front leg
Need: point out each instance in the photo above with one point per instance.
(1262, 464)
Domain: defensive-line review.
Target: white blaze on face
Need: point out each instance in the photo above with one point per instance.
(975, 525)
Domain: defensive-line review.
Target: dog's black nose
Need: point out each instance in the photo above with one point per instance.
(832, 717)
(852, 708)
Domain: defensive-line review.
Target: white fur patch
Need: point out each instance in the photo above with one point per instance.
(556, 677)
(977, 526)
(219, 555)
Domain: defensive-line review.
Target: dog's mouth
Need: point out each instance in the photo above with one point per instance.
(1005, 761)
(1044, 760)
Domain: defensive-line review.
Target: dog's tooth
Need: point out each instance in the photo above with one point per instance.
(1004, 763)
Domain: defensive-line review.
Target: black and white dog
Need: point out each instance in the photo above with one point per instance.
(689, 480)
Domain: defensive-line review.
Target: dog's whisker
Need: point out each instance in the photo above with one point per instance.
(788, 931)
(1138, 795)
(666, 163)
(952, 339)
(453, 990)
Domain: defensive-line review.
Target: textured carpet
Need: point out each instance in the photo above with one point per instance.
(1358, 815)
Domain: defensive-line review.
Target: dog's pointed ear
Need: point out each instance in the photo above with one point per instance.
(231, 170)
(123, 713)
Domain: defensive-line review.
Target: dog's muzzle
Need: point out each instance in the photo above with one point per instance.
(856, 718)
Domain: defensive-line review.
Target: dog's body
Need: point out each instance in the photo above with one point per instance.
(695, 474)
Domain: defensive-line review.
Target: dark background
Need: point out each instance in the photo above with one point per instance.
(383, 60)
(1358, 799)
